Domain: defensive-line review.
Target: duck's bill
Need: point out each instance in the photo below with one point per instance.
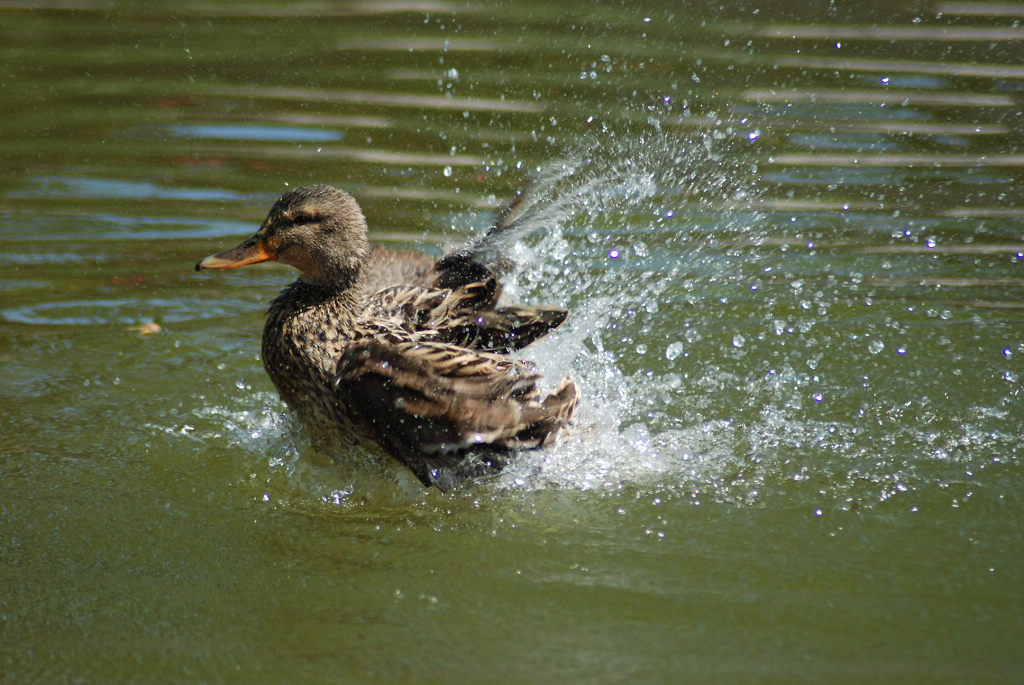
(252, 251)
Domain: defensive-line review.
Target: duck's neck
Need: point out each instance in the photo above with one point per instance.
(304, 324)
(334, 279)
(304, 294)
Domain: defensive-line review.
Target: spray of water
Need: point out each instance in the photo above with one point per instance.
(618, 230)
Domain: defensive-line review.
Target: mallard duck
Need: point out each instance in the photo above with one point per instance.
(391, 348)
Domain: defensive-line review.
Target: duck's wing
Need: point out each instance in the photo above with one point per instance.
(421, 306)
(485, 257)
(427, 401)
(504, 329)
(464, 316)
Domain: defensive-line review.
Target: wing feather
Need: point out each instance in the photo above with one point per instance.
(426, 401)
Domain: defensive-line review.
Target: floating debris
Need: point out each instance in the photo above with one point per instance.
(146, 328)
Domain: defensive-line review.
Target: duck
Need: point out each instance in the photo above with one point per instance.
(378, 350)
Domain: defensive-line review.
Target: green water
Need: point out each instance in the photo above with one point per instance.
(790, 241)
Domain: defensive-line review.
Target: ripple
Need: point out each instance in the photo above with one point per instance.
(107, 188)
(888, 66)
(23, 258)
(440, 102)
(246, 132)
(893, 33)
(879, 97)
(981, 9)
(61, 227)
(900, 160)
(120, 311)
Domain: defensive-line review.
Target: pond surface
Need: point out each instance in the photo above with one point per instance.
(790, 239)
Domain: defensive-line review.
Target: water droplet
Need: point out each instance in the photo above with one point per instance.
(1007, 352)
(614, 254)
(753, 135)
(673, 350)
(901, 350)
(738, 340)
(447, 170)
(876, 346)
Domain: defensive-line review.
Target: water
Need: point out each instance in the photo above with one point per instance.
(789, 239)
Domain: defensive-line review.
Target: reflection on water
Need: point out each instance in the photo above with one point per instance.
(906, 67)
(54, 188)
(790, 243)
(243, 132)
(893, 33)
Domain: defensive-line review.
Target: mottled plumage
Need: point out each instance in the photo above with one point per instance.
(391, 348)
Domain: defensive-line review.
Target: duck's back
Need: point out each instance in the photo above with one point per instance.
(386, 267)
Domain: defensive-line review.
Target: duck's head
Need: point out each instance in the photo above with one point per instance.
(319, 230)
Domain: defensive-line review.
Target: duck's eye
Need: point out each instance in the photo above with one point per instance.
(305, 218)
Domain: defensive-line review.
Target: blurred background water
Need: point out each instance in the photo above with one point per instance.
(790, 238)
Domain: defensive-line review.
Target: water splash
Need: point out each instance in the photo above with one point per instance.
(620, 228)
(714, 359)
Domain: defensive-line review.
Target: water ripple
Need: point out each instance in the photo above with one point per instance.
(86, 187)
(245, 132)
(413, 100)
(121, 311)
(893, 33)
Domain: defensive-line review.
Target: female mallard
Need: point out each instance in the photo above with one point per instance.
(390, 347)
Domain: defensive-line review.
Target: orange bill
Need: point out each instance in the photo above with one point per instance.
(252, 251)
